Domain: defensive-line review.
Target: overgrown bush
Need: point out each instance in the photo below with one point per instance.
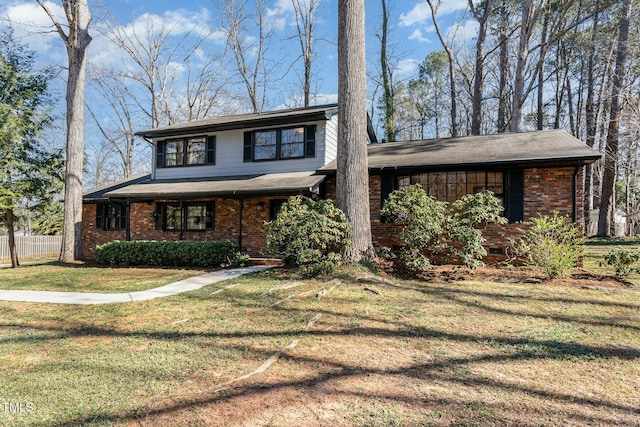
(624, 261)
(552, 244)
(310, 234)
(171, 253)
(437, 228)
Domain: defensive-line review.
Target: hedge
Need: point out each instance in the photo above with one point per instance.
(170, 254)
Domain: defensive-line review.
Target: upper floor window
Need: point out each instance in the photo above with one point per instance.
(111, 216)
(279, 144)
(200, 150)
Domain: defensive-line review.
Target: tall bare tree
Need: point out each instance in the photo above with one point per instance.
(76, 40)
(352, 171)
(249, 52)
(607, 202)
(388, 97)
(482, 16)
(304, 11)
(452, 65)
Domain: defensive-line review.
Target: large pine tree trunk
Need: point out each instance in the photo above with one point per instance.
(352, 180)
(607, 201)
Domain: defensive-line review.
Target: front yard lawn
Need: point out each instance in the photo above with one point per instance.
(81, 277)
(270, 350)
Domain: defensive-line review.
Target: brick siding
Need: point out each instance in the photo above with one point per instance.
(545, 190)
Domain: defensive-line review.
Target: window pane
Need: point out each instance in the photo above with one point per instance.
(292, 143)
(197, 151)
(265, 145)
(438, 185)
(173, 217)
(495, 183)
(475, 182)
(174, 153)
(114, 217)
(196, 217)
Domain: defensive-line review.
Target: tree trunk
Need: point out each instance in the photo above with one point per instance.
(452, 68)
(590, 117)
(352, 178)
(540, 106)
(504, 67)
(526, 26)
(607, 201)
(12, 238)
(76, 42)
(390, 131)
(478, 81)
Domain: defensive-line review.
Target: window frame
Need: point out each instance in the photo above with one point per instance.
(105, 212)
(184, 156)
(307, 144)
(183, 222)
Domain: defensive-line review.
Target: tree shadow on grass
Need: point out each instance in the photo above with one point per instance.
(433, 371)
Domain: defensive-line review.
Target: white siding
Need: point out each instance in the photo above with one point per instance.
(229, 158)
(331, 139)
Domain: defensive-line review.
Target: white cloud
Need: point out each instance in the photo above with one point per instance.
(421, 13)
(406, 68)
(418, 36)
(32, 25)
(464, 32)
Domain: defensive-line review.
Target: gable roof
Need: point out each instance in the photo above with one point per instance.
(241, 121)
(540, 148)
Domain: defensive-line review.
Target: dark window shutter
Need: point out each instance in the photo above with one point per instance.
(160, 216)
(515, 196)
(211, 214)
(310, 141)
(160, 154)
(100, 216)
(387, 185)
(248, 146)
(211, 150)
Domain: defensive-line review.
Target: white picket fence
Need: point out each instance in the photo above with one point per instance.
(30, 247)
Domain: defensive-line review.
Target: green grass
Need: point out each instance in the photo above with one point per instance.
(597, 247)
(418, 353)
(54, 276)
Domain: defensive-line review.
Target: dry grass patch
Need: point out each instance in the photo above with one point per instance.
(415, 353)
(87, 277)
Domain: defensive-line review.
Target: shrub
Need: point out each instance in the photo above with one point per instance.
(307, 233)
(170, 253)
(422, 218)
(466, 216)
(623, 261)
(552, 244)
(440, 228)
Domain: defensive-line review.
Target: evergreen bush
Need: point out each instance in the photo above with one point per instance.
(170, 253)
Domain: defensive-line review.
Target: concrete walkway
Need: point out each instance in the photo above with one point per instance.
(85, 298)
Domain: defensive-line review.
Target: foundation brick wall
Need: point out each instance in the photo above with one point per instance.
(226, 225)
(545, 190)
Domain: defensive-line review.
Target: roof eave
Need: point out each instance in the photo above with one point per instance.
(313, 116)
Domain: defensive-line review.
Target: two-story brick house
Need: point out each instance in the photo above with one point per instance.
(222, 178)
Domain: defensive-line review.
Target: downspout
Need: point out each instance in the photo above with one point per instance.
(182, 220)
(127, 219)
(575, 193)
(241, 202)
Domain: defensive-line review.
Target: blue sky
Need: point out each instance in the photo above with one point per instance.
(412, 38)
(412, 34)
